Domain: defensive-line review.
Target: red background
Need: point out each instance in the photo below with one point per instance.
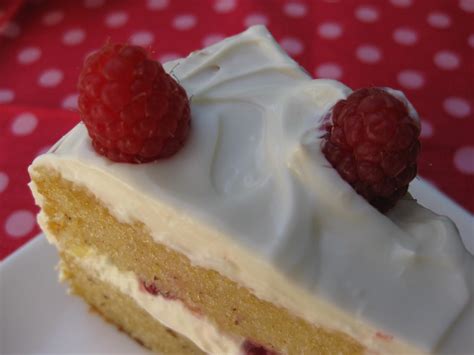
(424, 48)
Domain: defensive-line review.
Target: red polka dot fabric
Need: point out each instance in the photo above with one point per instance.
(424, 48)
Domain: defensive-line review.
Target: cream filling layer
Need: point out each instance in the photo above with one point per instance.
(171, 313)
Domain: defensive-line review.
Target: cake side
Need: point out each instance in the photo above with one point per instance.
(125, 256)
(56, 225)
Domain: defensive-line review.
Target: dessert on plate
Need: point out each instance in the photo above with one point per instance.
(230, 204)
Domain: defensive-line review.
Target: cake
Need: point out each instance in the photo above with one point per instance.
(246, 240)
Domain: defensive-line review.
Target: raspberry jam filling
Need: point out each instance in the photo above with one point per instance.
(251, 348)
(152, 288)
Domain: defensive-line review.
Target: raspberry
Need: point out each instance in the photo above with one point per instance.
(372, 141)
(133, 110)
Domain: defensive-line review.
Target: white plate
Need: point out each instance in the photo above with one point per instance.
(38, 317)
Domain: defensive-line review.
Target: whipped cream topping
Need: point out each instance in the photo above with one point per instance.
(252, 196)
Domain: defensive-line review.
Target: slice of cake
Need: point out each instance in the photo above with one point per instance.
(226, 230)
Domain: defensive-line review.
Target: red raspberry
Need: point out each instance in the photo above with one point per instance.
(372, 142)
(133, 110)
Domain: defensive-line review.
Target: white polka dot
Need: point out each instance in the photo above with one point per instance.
(457, 107)
(93, 4)
(470, 40)
(464, 160)
(20, 223)
(10, 30)
(405, 36)
(6, 95)
(50, 78)
(211, 39)
(224, 6)
(24, 124)
(467, 5)
(368, 53)
(255, 19)
(142, 38)
(401, 3)
(367, 14)
(157, 4)
(292, 45)
(184, 22)
(426, 129)
(52, 18)
(330, 30)
(446, 60)
(116, 19)
(3, 181)
(43, 150)
(329, 71)
(295, 9)
(29, 55)
(73, 37)
(70, 102)
(438, 19)
(411, 79)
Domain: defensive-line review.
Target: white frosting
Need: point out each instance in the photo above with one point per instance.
(251, 196)
(172, 313)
